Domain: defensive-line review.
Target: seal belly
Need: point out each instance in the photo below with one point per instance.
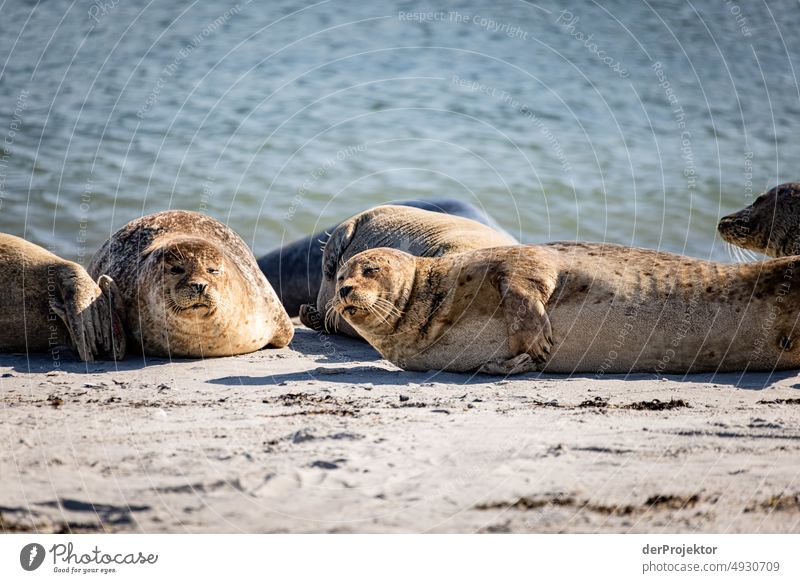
(488, 340)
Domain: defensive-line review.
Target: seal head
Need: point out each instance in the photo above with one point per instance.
(372, 289)
(191, 288)
(194, 272)
(771, 225)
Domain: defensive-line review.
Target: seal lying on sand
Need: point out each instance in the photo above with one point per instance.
(47, 302)
(295, 269)
(771, 225)
(416, 231)
(572, 307)
(191, 288)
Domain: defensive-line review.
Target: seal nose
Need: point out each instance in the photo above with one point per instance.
(345, 290)
(198, 287)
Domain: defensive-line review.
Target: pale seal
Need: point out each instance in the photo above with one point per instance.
(295, 269)
(191, 288)
(771, 225)
(416, 231)
(573, 307)
(47, 303)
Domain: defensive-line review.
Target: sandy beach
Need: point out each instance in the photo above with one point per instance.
(325, 436)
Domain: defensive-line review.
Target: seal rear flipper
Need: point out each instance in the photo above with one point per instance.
(110, 314)
(77, 320)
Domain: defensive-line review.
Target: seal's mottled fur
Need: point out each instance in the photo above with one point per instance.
(191, 288)
(47, 302)
(573, 307)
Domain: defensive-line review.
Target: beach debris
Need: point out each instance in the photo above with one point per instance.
(598, 401)
(656, 405)
(778, 402)
(55, 401)
(322, 370)
(302, 435)
(758, 423)
(324, 465)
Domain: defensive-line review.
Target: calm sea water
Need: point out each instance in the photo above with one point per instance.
(635, 122)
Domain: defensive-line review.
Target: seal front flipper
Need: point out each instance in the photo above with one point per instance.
(522, 304)
(521, 363)
(311, 318)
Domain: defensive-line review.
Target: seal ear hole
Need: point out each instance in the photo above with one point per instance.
(785, 343)
(177, 270)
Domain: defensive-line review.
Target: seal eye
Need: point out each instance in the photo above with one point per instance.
(213, 271)
(177, 270)
(370, 270)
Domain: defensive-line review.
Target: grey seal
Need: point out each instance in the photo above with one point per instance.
(416, 231)
(295, 269)
(572, 307)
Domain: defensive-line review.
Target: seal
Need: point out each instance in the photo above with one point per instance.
(47, 303)
(295, 269)
(416, 231)
(771, 225)
(572, 307)
(191, 288)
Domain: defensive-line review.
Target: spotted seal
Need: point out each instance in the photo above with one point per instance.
(47, 303)
(572, 307)
(191, 288)
(295, 269)
(416, 231)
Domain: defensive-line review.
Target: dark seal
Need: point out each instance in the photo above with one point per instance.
(771, 225)
(295, 270)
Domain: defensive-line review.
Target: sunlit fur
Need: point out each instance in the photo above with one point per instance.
(771, 225)
(193, 272)
(381, 281)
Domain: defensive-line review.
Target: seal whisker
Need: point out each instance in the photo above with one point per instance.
(392, 310)
(331, 321)
(211, 298)
(374, 310)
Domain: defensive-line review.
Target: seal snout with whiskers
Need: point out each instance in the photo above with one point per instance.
(191, 288)
(193, 271)
(369, 292)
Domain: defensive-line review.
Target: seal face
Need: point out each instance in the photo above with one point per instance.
(47, 303)
(771, 225)
(418, 232)
(191, 288)
(572, 307)
(294, 270)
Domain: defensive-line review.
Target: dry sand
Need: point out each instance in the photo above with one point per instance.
(330, 438)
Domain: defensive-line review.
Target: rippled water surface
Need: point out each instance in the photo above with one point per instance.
(638, 123)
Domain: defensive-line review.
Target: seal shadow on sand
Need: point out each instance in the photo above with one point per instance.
(341, 353)
(377, 375)
(67, 363)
